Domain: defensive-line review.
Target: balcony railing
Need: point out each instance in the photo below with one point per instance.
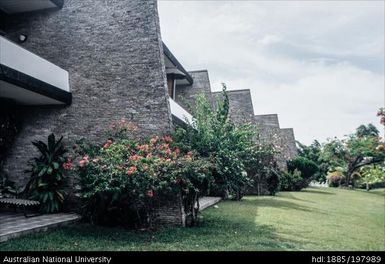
(179, 113)
(29, 79)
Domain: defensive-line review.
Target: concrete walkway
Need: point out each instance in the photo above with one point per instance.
(208, 201)
(15, 224)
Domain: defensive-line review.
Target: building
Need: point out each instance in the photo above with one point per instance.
(74, 67)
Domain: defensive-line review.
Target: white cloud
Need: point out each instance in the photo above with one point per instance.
(319, 65)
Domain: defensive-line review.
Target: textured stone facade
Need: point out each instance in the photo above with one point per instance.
(270, 132)
(184, 95)
(241, 106)
(289, 147)
(113, 53)
(170, 212)
(265, 121)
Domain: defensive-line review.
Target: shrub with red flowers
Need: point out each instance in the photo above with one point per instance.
(381, 114)
(124, 180)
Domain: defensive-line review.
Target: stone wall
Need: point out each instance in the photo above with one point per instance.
(264, 121)
(170, 212)
(269, 132)
(184, 95)
(289, 147)
(241, 106)
(113, 53)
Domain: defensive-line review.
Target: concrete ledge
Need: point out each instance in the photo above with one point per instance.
(208, 201)
(16, 225)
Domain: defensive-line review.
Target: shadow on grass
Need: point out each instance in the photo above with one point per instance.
(290, 196)
(219, 229)
(318, 191)
(278, 203)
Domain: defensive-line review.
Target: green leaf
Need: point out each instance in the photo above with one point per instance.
(42, 172)
(55, 165)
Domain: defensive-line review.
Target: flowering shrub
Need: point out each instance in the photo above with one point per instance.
(126, 179)
(262, 169)
(381, 114)
(227, 145)
(335, 178)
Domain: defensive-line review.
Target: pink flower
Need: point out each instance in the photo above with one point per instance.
(383, 120)
(134, 157)
(154, 140)
(143, 147)
(131, 170)
(82, 163)
(168, 139)
(150, 193)
(149, 155)
(67, 165)
(164, 146)
(107, 144)
(86, 157)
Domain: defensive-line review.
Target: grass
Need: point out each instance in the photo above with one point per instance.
(313, 219)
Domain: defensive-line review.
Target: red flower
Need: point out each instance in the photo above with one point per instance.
(383, 120)
(67, 165)
(134, 157)
(131, 170)
(108, 144)
(154, 140)
(82, 163)
(168, 139)
(142, 147)
(150, 193)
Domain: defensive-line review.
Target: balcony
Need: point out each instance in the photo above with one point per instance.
(179, 115)
(22, 6)
(28, 79)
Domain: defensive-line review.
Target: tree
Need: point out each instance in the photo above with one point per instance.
(262, 168)
(352, 153)
(215, 137)
(371, 174)
(308, 168)
(368, 130)
(313, 152)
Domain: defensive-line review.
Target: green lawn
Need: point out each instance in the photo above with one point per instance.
(313, 219)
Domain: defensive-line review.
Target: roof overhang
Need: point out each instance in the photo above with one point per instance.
(176, 64)
(28, 79)
(11, 7)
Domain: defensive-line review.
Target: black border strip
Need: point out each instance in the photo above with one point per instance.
(34, 85)
(174, 60)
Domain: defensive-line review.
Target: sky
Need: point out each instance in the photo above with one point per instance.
(318, 65)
